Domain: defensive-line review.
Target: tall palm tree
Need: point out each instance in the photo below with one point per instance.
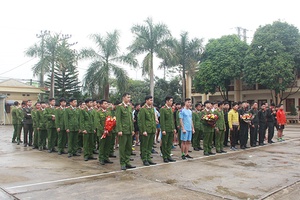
(185, 54)
(104, 63)
(152, 40)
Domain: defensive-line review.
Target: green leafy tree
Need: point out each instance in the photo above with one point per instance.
(221, 63)
(273, 59)
(104, 63)
(186, 55)
(150, 39)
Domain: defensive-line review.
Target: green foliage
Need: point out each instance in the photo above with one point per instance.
(150, 39)
(221, 63)
(273, 58)
(105, 62)
(293, 110)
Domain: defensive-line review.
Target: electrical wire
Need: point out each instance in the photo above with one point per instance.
(17, 66)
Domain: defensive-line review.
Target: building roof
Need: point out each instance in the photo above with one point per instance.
(12, 85)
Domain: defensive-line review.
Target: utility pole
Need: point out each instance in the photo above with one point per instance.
(42, 73)
(242, 33)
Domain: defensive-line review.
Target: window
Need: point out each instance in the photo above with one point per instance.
(289, 104)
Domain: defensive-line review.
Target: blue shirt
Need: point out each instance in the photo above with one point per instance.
(186, 116)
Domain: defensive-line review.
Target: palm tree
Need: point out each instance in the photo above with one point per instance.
(104, 63)
(185, 54)
(53, 51)
(150, 39)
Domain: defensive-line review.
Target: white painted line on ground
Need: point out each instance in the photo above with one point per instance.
(137, 168)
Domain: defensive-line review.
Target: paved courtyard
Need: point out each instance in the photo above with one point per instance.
(267, 172)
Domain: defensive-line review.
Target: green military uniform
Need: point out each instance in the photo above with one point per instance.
(80, 134)
(87, 123)
(42, 126)
(35, 126)
(167, 125)
(220, 130)
(208, 132)
(71, 119)
(17, 118)
(147, 123)
(124, 125)
(104, 143)
(113, 136)
(51, 128)
(62, 134)
(197, 126)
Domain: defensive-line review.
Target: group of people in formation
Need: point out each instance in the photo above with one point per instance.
(81, 127)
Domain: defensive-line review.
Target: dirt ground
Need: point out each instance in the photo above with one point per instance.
(265, 172)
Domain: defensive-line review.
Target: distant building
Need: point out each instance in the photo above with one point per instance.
(240, 91)
(12, 90)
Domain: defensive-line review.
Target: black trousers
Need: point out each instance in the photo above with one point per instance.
(262, 133)
(253, 134)
(226, 134)
(28, 130)
(243, 134)
(233, 136)
(270, 131)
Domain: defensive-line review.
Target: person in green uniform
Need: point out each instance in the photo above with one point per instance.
(208, 130)
(81, 107)
(112, 109)
(125, 131)
(42, 126)
(87, 126)
(35, 125)
(147, 126)
(177, 119)
(167, 129)
(17, 118)
(51, 129)
(60, 126)
(220, 128)
(102, 133)
(197, 123)
(71, 119)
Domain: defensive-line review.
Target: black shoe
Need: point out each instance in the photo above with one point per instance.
(18, 143)
(271, 142)
(14, 141)
(86, 158)
(188, 156)
(146, 163)
(108, 161)
(69, 155)
(211, 153)
(92, 158)
(54, 150)
(200, 148)
(183, 157)
(133, 154)
(112, 156)
(246, 147)
(59, 153)
(223, 151)
(103, 163)
(171, 160)
(49, 151)
(25, 145)
(206, 154)
(261, 144)
(129, 166)
(196, 149)
(219, 151)
(189, 151)
(166, 160)
(76, 154)
(131, 159)
(153, 151)
(123, 167)
(30, 145)
(34, 147)
(151, 162)
(243, 147)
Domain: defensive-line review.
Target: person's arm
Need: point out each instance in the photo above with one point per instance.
(142, 121)
(162, 121)
(230, 116)
(181, 122)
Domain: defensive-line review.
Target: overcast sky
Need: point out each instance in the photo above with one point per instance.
(21, 20)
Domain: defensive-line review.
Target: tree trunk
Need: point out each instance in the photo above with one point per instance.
(106, 92)
(151, 74)
(183, 83)
(52, 81)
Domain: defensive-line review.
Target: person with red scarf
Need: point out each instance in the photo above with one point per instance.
(281, 121)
